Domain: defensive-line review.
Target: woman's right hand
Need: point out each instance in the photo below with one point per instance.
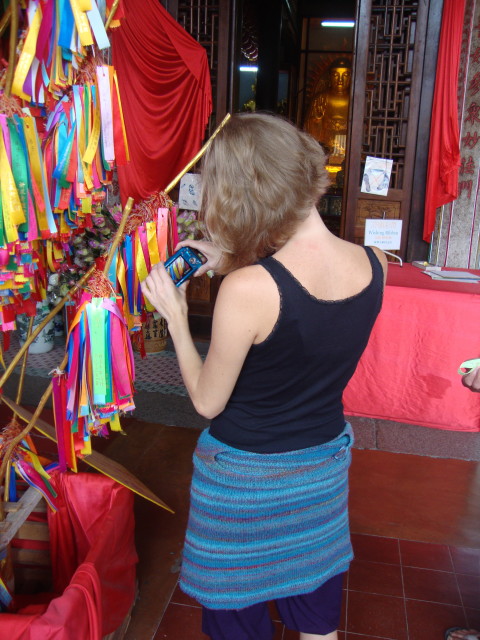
(209, 250)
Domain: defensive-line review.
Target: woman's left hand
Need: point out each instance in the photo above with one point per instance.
(170, 301)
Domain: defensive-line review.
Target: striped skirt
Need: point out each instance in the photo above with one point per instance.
(265, 526)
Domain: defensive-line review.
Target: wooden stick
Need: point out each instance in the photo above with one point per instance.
(177, 179)
(48, 392)
(24, 365)
(8, 371)
(111, 14)
(18, 399)
(118, 235)
(30, 425)
(95, 459)
(12, 49)
(5, 20)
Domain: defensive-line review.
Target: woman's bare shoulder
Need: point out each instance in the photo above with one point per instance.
(247, 283)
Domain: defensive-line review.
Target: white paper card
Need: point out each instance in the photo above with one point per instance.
(189, 192)
(384, 234)
(376, 176)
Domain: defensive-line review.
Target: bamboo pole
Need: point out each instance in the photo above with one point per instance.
(8, 371)
(12, 49)
(194, 160)
(111, 253)
(30, 425)
(48, 391)
(118, 235)
(18, 399)
(111, 14)
(24, 365)
(5, 20)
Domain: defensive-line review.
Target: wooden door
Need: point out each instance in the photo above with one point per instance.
(386, 99)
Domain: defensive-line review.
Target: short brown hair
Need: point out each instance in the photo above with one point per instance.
(260, 177)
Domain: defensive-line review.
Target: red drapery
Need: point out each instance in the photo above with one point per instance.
(93, 564)
(166, 96)
(444, 150)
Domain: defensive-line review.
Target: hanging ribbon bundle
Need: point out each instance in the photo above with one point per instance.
(60, 34)
(150, 237)
(85, 138)
(25, 212)
(98, 382)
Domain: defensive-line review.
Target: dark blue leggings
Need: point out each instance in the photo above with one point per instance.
(317, 612)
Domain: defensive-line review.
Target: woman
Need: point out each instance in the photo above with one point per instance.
(268, 513)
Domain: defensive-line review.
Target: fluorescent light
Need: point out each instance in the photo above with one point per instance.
(337, 23)
(248, 68)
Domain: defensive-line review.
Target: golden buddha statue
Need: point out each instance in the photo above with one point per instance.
(327, 116)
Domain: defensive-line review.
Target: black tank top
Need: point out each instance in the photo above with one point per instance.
(289, 392)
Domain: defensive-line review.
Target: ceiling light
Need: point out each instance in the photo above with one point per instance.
(337, 23)
(248, 68)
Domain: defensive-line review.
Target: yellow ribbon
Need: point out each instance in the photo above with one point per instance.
(12, 207)
(94, 136)
(27, 56)
(36, 170)
(81, 21)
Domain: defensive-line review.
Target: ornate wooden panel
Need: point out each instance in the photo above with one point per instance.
(386, 97)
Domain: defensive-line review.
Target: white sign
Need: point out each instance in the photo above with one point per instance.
(384, 234)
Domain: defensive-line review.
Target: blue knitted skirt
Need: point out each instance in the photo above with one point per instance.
(265, 526)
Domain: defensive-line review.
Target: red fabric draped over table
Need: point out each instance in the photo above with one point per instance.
(166, 96)
(408, 372)
(444, 151)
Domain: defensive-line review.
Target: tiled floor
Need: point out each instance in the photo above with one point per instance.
(395, 589)
(416, 536)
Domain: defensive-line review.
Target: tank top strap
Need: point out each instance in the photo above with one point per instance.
(281, 275)
(286, 281)
(377, 270)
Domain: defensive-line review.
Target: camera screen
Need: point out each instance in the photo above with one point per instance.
(178, 269)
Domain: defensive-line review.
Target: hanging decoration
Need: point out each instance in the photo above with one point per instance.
(55, 178)
(59, 36)
(98, 382)
(25, 461)
(150, 237)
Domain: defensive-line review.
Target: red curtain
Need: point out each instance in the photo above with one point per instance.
(444, 151)
(166, 96)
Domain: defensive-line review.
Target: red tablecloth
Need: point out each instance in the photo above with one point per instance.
(408, 372)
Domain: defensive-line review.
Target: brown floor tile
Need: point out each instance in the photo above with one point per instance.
(360, 636)
(278, 631)
(274, 615)
(473, 618)
(181, 623)
(430, 585)
(470, 590)
(466, 560)
(375, 548)
(376, 615)
(293, 635)
(413, 498)
(425, 555)
(179, 597)
(376, 577)
(429, 620)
